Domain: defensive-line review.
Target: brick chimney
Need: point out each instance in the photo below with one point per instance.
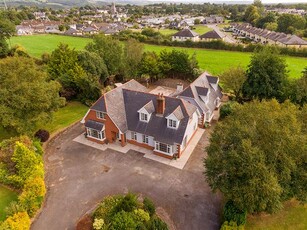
(160, 104)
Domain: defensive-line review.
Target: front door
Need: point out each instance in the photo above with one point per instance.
(113, 136)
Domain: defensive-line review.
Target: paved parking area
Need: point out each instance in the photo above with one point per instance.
(79, 176)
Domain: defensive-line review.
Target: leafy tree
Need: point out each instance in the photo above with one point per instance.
(7, 29)
(252, 14)
(298, 89)
(63, 66)
(233, 80)
(257, 156)
(271, 26)
(266, 75)
(178, 63)
(288, 23)
(4, 48)
(110, 50)
(269, 18)
(93, 64)
(232, 213)
(27, 99)
(133, 52)
(149, 65)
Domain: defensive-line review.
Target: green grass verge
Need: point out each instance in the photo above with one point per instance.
(217, 61)
(66, 116)
(38, 44)
(6, 197)
(62, 118)
(292, 217)
(201, 29)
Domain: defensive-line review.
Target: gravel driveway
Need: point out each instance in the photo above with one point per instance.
(78, 177)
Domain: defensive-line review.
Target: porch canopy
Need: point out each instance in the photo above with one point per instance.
(94, 125)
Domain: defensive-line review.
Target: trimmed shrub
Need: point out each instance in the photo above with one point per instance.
(231, 226)
(156, 223)
(42, 135)
(128, 203)
(19, 221)
(232, 213)
(149, 206)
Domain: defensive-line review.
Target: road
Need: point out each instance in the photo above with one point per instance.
(79, 176)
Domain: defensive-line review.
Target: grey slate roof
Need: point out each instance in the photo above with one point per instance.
(201, 90)
(186, 33)
(94, 125)
(157, 125)
(112, 102)
(203, 81)
(211, 35)
(178, 113)
(149, 107)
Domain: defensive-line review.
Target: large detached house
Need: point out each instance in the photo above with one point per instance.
(184, 35)
(163, 124)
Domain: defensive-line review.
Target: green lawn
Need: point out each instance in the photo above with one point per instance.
(216, 61)
(62, 118)
(66, 116)
(6, 196)
(201, 29)
(39, 44)
(292, 217)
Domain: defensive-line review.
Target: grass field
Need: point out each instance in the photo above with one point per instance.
(6, 196)
(62, 118)
(39, 44)
(214, 61)
(292, 217)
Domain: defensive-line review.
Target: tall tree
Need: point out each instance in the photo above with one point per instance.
(233, 80)
(7, 29)
(133, 52)
(252, 15)
(298, 89)
(149, 65)
(266, 75)
(27, 98)
(257, 156)
(110, 50)
(288, 23)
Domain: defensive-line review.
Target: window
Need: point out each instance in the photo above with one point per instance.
(163, 147)
(172, 123)
(99, 115)
(134, 136)
(145, 139)
(144, 117)
(96, 134)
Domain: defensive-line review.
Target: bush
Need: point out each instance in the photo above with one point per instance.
(231, 226)
(42, 135)
(19, 221)
(226, 109)
(232, 213)
(128, 203)
(149, 206)
(156, 223)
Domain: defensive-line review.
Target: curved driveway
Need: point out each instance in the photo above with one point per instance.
(78, 177)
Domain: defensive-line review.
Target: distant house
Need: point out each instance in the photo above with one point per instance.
(73, 32)
(90, 30)
(211, 36)
(213, 19)
(24, 30)
(184, 35)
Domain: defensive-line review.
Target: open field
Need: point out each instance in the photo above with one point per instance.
(39, 44)
(292, 217)
(6, 196)
(62, 118)
(214, 61)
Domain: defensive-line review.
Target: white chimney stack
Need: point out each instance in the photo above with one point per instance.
(179, 87)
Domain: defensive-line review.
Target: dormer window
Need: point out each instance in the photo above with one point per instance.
(100, 115)
(144, 117)
(172, 124)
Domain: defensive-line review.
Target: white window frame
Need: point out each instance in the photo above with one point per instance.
(134, 136)
(144, 117)
(100, 134)
(100, 115)
(169, 150)
(172, 123)
(145, 139)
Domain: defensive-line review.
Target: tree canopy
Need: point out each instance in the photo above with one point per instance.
(257, 156)
(266, 75)
(27, 98)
